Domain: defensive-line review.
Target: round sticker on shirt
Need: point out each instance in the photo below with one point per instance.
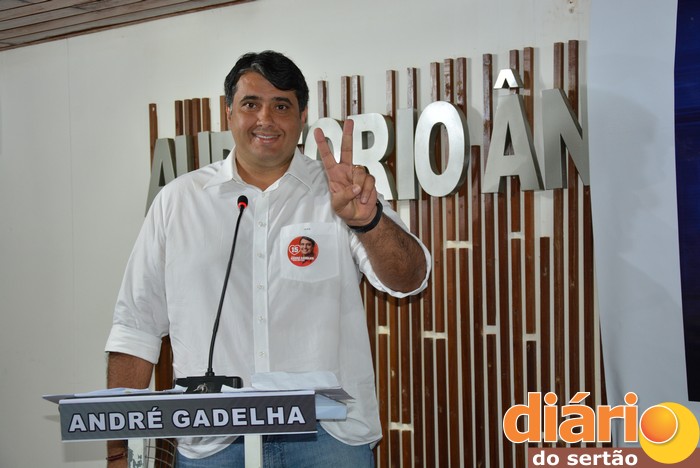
(302, 251)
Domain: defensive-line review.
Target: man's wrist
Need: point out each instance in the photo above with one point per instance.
(117, 450)
(373, 223)
(117, 456)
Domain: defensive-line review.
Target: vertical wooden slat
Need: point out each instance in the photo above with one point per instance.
(573, 235)
(480, 395)
(504, 318)
(489, 256)
(518, 341)
(590, 324)
(532, 362)
(546, 338)
(152, 129)
(493, 380)
(516, 311)
(529, 199)
(585, 287)
(345, 99)
(383, 390)
(489, 203)
(512, 203)
(195, 127)
(428, 390)
(206, 115)
(356, 93)
(187, 122)
(438, 312)
(416, 307)
(400, 333)
(514, 181)
(453, 278)
(179, 118)
(528, 377)
(223, 120)
(464, 281)
(322, 99)
(412, 102)
(559, 285)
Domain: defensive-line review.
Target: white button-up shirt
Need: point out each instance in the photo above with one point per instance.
(283, 310)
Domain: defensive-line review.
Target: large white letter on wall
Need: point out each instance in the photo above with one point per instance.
(511, 129)
(562, 131)
(429, 124)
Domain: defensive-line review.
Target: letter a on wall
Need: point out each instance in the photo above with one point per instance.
(511, 129)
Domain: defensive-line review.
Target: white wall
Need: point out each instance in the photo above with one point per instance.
(633, 164)
(74, 156)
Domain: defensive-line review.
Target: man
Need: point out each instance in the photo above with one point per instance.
(306, 251)
(277, 315)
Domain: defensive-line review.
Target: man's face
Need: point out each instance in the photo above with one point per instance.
(306, 247)
(265, 122)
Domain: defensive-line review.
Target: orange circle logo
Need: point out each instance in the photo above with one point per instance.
(669, 432)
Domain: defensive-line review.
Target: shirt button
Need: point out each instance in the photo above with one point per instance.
(262, 354)
(260, 287)
(261, 319)
(261, 224)
(261, 255)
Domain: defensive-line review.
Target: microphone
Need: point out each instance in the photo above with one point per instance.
(210, 382)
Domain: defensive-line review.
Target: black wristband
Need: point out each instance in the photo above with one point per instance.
(372, 224)
(116, 456)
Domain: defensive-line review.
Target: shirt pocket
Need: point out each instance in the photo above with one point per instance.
(309, 252)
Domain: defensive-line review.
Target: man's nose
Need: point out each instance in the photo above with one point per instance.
(264, 115)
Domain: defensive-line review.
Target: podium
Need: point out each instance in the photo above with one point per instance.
(129, 414)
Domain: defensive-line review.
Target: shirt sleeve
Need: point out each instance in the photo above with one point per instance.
(366, 268)
(140, 315)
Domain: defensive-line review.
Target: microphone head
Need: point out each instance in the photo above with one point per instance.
(242, 202)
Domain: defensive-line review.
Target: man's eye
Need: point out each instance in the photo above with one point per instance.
(249, 105)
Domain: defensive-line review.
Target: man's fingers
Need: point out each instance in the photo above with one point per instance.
(365, 181)
(346, 142)
(324, 150)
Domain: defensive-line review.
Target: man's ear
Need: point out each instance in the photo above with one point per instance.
(304, 115)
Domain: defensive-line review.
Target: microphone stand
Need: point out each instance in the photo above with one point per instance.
(210, 382)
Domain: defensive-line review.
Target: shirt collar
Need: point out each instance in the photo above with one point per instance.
(229, 172)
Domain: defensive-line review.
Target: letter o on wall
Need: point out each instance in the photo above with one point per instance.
(433, 182)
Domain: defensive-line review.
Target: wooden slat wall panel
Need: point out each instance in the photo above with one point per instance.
(508, 310)
(513, 294)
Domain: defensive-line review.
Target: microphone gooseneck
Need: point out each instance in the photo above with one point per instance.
(242, 204)
(211, 383)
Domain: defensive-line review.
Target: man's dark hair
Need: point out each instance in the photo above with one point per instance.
(313, 242)
(276, 68)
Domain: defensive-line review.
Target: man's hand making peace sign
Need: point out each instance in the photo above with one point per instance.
(396, 257)
(353, 191)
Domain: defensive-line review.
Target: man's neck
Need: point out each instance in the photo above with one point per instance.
(261, 177)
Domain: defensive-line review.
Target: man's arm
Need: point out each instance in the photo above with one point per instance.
(396, 257)
(128, 371)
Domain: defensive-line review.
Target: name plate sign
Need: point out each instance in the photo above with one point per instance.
(184, 415)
